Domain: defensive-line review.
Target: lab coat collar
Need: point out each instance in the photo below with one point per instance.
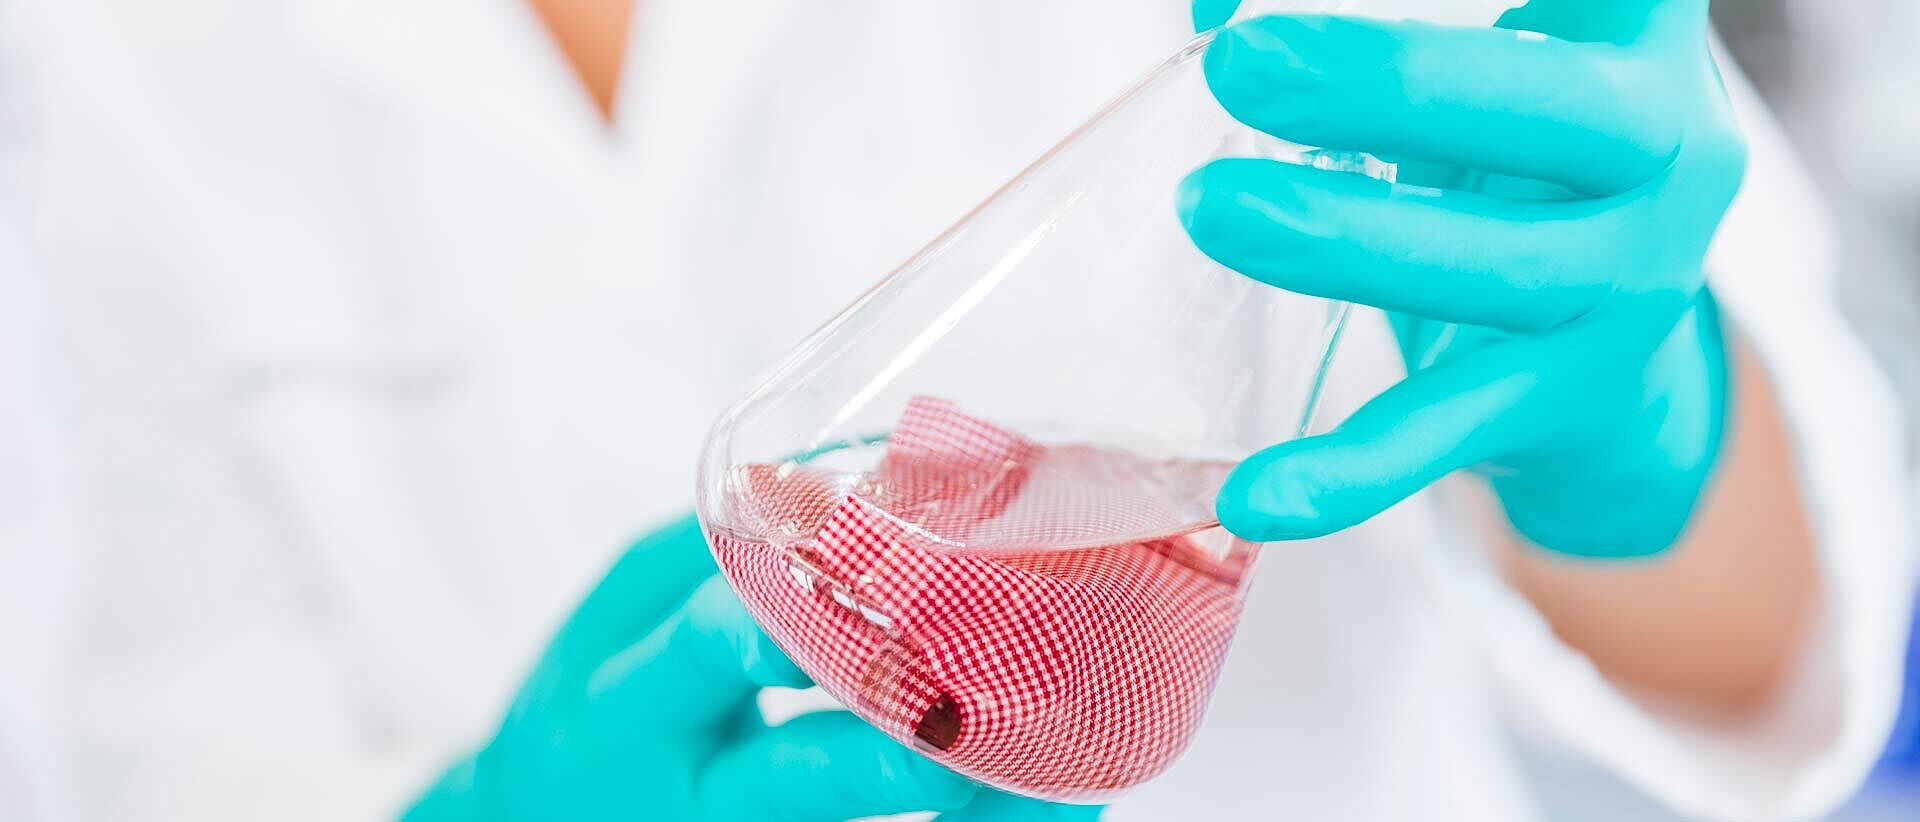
(689, 74)
(489, 60)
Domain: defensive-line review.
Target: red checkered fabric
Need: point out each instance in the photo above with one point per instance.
(1061, 674)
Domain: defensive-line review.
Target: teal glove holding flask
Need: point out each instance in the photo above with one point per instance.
(1540, 256)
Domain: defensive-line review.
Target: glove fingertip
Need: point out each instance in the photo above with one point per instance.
(1271, 497)
(716, 611)
(1233, 203)
(1187, 198)
(769, 667)
(1209, 14)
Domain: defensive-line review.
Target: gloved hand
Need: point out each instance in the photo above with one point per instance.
(643, 708)
(1540, 257)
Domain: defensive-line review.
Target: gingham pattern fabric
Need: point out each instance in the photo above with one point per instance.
(948, 472)
(969, 484)
(1059, 674)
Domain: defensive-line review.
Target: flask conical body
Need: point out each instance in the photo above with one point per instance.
(977, 506)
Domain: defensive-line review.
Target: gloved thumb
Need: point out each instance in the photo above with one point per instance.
(696, 668)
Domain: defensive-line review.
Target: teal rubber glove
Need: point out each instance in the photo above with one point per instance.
(1540, 257)
(643, 708)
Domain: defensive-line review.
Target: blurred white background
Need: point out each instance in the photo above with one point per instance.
(1843, 78)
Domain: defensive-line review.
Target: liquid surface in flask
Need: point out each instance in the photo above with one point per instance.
(1046, 618)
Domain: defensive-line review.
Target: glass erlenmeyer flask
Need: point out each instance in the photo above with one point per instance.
(977, 506)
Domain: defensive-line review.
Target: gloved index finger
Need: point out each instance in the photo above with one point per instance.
(1451, 255)
(695, 669)
(1596, 118)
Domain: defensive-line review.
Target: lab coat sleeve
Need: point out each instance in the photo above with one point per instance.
(1773, 269)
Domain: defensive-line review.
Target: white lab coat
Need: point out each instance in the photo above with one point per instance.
(341, 347)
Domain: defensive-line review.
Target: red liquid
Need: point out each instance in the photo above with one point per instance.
(1065, 674)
